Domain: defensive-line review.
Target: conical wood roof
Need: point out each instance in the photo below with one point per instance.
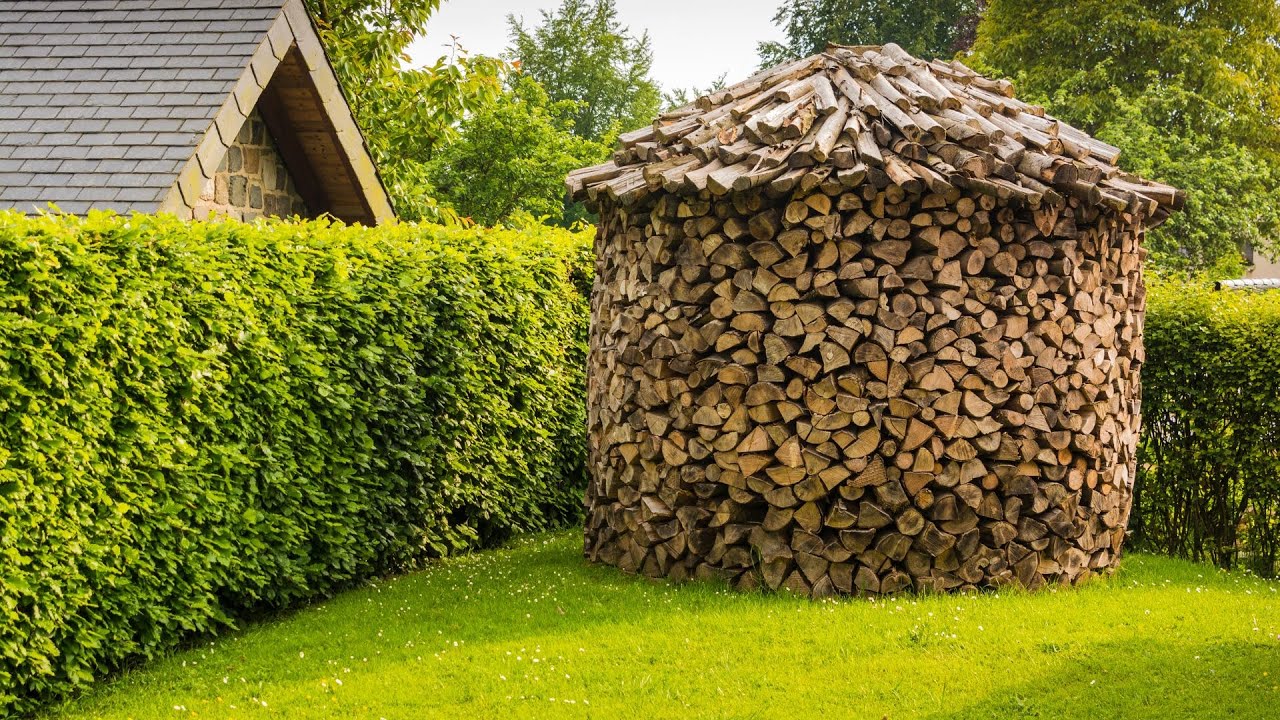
(871, 113)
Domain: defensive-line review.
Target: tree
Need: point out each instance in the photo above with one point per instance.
(511, 159)
(1188, 90)
(406, 114)
(417, 114)
(1087, 54)
(365, 36)
(926, 28)
(1233, 192)
(580, 52)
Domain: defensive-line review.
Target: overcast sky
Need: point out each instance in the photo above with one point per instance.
(694, 41)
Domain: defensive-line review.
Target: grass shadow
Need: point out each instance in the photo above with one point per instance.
(1142, 679)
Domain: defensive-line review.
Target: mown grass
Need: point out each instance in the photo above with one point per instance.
(533, 631)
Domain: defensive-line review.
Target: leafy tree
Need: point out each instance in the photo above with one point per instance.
(1233, 192)
(416, 114)
(369, 35)
(581, 52)
(512, 157)
(406, 114)
(1189, 90)
(926, 28)
(1088, 54)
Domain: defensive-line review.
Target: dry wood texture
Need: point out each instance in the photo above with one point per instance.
(864, 324)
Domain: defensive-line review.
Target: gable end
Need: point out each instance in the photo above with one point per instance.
(290, 82)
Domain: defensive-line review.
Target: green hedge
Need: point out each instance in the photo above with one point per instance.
(199, 421)
(1209, 479)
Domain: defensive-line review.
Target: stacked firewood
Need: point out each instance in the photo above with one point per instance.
(833, 355)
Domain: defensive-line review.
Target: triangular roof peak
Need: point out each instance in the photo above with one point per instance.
(131, 105)
(859, 112)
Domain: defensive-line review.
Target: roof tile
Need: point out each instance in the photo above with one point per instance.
(102, 101)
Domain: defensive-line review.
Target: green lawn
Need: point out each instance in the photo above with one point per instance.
(533, 631)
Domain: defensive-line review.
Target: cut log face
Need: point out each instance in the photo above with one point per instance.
(902, 359)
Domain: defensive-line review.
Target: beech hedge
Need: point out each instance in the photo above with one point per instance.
(1208, 486)
(199, 421)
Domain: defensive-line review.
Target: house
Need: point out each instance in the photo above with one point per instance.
(190, 107)
(1261, 266)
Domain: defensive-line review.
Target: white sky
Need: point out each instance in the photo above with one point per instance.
(694, 41)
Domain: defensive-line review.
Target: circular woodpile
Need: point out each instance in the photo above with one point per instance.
(865, 324)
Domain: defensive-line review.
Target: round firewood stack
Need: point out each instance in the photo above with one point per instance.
(864, 324)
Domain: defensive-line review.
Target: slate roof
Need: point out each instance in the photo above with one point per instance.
(103, 101)
(871, 114)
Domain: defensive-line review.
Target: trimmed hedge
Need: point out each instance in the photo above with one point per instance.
(1209, 460)
(200, 421)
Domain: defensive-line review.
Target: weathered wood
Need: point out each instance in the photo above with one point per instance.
(861, 326)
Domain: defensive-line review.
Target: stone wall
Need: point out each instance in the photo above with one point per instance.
(252, 180)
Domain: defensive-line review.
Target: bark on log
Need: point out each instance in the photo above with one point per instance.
(863, 324)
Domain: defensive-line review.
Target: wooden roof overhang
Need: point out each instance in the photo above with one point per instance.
(862, 112)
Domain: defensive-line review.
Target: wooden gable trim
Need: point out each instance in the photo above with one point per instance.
(307, 39)
(292, 31)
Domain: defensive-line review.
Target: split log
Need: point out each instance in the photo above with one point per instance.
(864, 324)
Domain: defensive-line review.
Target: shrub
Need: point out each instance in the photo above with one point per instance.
(1209, 478)
(199, 421)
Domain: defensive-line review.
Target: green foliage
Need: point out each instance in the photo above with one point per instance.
(416, 114)
(369, 36)
(407, 115)
(512, 158)
(1190, 91)
(1092, 53)
(580, 52)
(1233, 191)
(199, 421)
(925, 28)
(1209, 470)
